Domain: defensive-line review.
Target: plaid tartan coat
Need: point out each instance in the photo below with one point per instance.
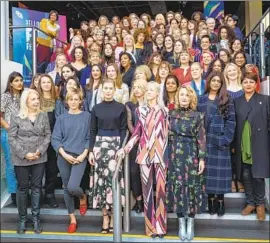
(219, 135)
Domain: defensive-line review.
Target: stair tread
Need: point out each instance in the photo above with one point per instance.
(230, 228)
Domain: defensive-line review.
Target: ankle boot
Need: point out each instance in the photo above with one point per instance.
(35, 201)
(22, 211)
(260, 212)
(51, 201)
(182, 233)
(139, 206)
(220, 208)
(212, 206)
(135, 207)
(190, 228)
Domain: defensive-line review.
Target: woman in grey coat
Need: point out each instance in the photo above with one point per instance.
(29, 138)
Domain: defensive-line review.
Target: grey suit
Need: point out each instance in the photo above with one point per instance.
(24, 137)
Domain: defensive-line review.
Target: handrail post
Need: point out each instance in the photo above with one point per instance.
(127, 194)
(117, 222)
(250, 47)
(262, 51)
(34, 52)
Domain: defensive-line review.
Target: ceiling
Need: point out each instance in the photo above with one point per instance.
(76, 11)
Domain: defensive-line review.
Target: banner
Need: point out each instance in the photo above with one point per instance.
(22, 38)
(214, 9)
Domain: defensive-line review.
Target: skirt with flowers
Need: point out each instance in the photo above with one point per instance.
(100, 188)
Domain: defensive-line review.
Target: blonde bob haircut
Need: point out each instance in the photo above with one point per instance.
(142, 84)
(157, 86)
(239, 74)
(193, 98)
(73, 92)
(144, 69)
(23, 113)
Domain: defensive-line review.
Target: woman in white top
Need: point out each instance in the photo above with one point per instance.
(121, 94)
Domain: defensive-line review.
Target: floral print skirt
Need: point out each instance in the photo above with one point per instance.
(100, 193)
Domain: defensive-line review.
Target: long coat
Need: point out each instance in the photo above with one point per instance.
(152, 133)
(219, 135)
(257, 112)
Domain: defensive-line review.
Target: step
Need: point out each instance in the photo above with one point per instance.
(55, 226)
(234, 203)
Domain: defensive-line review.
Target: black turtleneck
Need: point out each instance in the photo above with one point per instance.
(108, 115)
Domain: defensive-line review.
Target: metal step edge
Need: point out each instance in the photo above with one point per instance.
(93, 237)
(93, 212)
(227, 195)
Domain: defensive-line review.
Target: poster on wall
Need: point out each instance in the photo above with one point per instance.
(22, 38)
(214, 9)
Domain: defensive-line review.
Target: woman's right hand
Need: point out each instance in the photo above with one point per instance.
(120, 154)
(69, 158)
(91, 158)
(31, 156)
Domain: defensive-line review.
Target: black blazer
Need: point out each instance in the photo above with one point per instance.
(257, 112)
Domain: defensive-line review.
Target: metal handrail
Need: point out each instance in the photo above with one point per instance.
(117, 222)
(31, 27)
(34, 43)
(266, 12)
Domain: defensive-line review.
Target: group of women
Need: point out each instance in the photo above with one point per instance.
(182, 88)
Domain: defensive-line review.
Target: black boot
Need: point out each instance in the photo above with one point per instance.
(139, 206)
(212, 206)
(35, 201)
(22, 198)
(13, 198)
(51, 201)
(220, 208)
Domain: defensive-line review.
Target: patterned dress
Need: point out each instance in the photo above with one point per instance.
(152, 131)
(185, 188)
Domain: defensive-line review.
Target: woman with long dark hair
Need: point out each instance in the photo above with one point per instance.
(169, 90)
(10, 102)
(220, 126)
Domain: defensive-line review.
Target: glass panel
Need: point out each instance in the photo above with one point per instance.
(3, 174)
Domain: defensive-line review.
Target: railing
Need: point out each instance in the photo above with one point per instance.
(117, 207)
(256, 48)
(34, 43)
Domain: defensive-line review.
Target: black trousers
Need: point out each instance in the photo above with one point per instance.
(23, 176)
(254, 187)
(51, 171)
(135, 177)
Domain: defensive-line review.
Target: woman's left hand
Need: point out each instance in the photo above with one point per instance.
(80, 158)
(201, 167)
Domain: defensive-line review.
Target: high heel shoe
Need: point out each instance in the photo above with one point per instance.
(111, 223)
(139, 206)
(105, 230)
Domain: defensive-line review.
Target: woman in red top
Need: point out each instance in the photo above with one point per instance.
(183, 73)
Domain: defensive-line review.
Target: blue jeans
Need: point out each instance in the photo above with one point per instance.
(10, 174)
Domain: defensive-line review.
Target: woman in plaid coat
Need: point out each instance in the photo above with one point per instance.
(220, 126)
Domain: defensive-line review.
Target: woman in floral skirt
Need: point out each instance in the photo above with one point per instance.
(185, 186)
(108, 130)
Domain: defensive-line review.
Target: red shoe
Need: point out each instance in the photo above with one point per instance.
(83, 205)
(72, 228)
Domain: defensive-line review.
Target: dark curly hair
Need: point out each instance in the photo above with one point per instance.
(211, 65)
(84, 51)
(222, 95)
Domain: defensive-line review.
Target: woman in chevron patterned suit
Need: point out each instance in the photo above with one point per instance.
(152, 131)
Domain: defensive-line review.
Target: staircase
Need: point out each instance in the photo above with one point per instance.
(231, 227)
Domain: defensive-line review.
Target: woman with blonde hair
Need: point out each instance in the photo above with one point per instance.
(121, 93)
(187, 150)
(160, 19)
(29, 138)
(151, 131)
(143, 72)
(70, 139)
(102, 22)
(138, 91)
(232, 75)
